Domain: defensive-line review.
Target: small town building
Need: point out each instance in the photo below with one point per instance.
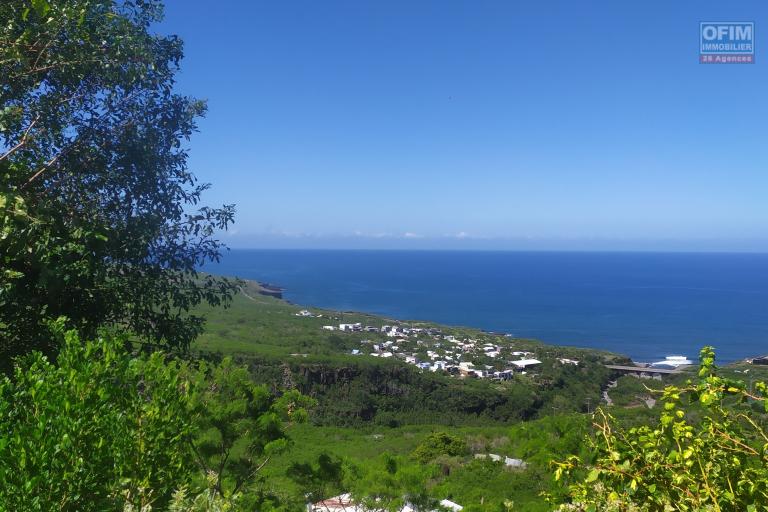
(525, 363)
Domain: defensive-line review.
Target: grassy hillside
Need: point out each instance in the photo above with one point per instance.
(475, 483)
(368, 405)
(284, 349)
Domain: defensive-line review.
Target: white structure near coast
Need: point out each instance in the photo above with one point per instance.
(430, 350)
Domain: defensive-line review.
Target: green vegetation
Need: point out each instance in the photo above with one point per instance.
(481, 484)
(115, 397)
(285, 350)
(439, 444)
(103, 429)
(714, 459)
(94, 431)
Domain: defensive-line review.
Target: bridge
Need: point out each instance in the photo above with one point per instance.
(644, 369)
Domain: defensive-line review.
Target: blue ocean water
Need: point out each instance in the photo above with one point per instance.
(645, 305)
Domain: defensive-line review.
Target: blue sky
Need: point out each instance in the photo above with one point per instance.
(488, 124)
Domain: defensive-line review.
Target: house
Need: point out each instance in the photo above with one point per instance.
(304, 312)
(351, 327)
(569, 361)
(515, 463)
(522, 364)
(455, 507)
(508, 461)
(438, 365)
(345, 503)
(340, 503)
(329, 327)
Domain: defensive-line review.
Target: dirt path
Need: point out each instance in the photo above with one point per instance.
(606, 397)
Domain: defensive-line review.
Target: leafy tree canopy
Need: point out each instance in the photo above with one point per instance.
(99, 216)
(439, 443)
(242, 425)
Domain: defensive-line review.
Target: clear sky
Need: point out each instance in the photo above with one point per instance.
(478, 124)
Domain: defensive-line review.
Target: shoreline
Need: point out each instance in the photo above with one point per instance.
(278, 292)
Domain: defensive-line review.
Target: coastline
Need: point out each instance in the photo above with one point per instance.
(278, 291)
(647, 306)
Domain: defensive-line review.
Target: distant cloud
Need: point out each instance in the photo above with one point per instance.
(464, 240)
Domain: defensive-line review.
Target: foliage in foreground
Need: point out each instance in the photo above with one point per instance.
(104, 430)
(719, 462)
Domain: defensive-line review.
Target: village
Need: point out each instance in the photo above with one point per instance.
(430, 349)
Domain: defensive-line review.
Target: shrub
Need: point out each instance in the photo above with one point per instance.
(719, 462)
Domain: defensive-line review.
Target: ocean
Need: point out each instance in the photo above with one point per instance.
(644, 305)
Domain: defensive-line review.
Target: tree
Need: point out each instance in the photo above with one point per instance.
(388, 483)
(319, 480)
(437, 444)
(718, 462)
(96, 431)
(241, 424)
(99, 215)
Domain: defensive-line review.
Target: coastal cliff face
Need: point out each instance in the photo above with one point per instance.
(270, 290)
(354, 394)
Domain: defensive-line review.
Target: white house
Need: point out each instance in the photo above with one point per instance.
(439, 365)
(345, 503)
(525, 363)
(508, 461)
(455, 507)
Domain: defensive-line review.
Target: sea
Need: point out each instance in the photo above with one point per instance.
(644, 305)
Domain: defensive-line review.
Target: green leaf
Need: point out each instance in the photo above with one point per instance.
(41, 7)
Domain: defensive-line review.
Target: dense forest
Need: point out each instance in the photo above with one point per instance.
(131, 381)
